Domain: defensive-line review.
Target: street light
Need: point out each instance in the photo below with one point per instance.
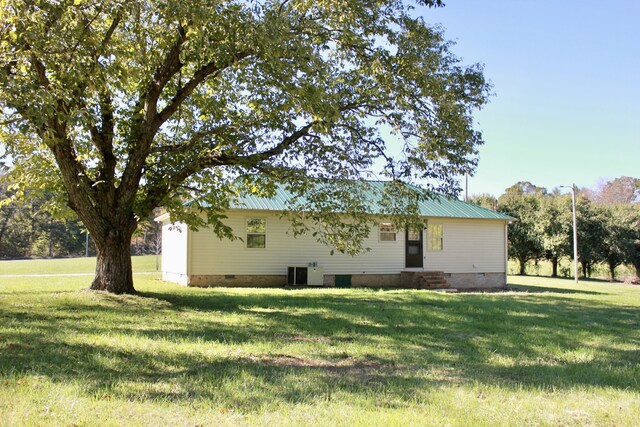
(575, 230)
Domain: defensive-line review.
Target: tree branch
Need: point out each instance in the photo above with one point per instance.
(110, 31)
(190, 143)
(41, 71)
(163, 74)
(157, 195)
(74, 174)
(208, 70)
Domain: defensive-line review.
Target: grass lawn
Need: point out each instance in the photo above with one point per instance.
(557, 354)
(146, 263)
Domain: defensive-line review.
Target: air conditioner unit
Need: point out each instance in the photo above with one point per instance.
(311, 276)
(297, 276)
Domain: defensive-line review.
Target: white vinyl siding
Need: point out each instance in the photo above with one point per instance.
(212, 256)
(469, 246)
(174, 252)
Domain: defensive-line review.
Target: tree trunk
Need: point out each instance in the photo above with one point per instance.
(635, 261)
(554, 266)
(113, 266)
(51, 238)
(612, 270)
(4, 225)
(585, 269)
(522, 266)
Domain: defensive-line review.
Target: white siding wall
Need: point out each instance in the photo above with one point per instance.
(174, 252)
(212, 256)
(470, 246)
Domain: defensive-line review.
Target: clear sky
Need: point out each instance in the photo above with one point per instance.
(566, 77)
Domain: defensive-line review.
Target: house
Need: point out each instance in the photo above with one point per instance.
(462, 246)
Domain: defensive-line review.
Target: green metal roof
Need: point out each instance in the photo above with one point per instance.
(437, 206)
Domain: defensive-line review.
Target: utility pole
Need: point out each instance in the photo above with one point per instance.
(575, 230)
(466, 187)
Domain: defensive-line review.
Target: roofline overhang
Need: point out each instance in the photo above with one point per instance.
(162, 218)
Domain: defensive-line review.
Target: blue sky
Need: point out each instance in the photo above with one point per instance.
(566, 78)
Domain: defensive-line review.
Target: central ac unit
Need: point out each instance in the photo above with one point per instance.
(297, 276)
(311, 276)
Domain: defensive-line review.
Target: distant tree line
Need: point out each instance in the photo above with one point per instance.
(34, 229)
(608, 224)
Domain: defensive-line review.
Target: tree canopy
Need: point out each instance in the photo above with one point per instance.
(122, 106)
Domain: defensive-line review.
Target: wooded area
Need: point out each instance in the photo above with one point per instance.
(30, 227)
(608, 219)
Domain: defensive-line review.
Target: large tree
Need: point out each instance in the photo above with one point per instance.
(621, 232)
(591, 234)
(525, 242)
(122, 106)
(554, 228)
(620, 190)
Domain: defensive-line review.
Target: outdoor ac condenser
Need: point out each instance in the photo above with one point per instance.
(311, 276)
(297, 276)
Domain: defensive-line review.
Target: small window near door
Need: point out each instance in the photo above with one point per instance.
(414, 234)
(434, 237)
(387, 232)
(256, 233)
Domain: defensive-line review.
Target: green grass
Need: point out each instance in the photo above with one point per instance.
(555, 354)
(146, 263)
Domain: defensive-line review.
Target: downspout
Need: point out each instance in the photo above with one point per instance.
(506, 251)
(189, 257)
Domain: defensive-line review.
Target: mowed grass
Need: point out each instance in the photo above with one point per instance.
(146, 263)
(552, 354)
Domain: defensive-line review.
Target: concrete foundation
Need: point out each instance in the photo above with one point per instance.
(367, 280)
(476, 280)
(453, 280)
(240, 281)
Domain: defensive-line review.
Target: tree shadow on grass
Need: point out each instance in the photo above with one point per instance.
(253, 349)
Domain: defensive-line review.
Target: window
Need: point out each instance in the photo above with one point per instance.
(414, 234)
(387, 232)
(434, 237)
(256, 233)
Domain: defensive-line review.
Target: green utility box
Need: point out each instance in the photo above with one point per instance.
(343, 280)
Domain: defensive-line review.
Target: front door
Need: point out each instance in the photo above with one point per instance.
(413, 251)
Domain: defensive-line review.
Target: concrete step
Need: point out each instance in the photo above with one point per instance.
(423, 279)
(433, 284)
(431, 273)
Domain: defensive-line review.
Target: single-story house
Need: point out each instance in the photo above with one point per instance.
(462, 246)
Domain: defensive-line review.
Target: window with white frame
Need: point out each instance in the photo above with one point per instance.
(434, 237)
(387, 232)
(256, 233)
